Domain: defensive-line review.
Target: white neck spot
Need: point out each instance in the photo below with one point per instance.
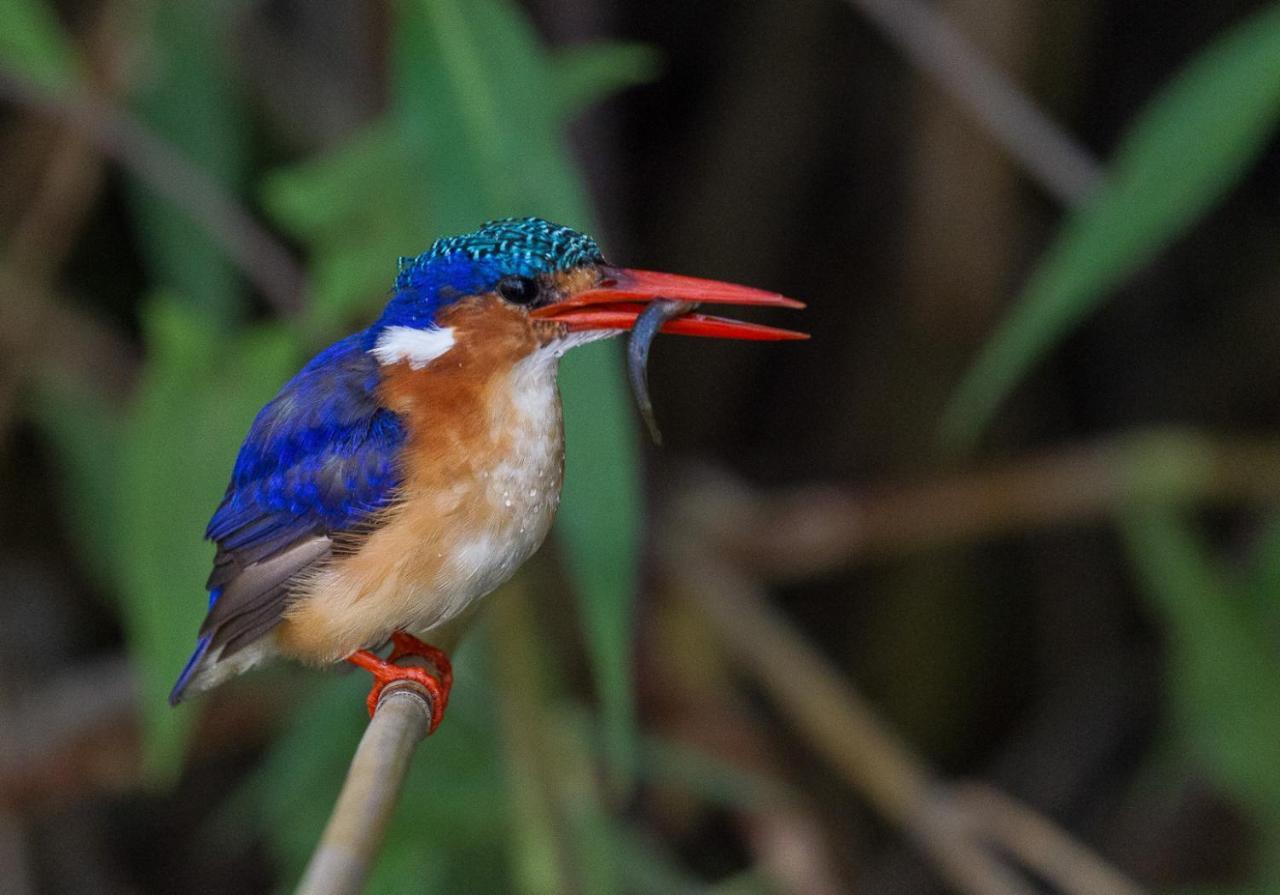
(417, 346)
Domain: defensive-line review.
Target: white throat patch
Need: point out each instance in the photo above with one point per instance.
(417, 346)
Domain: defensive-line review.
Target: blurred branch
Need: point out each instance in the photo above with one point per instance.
(74, 734)
(15, 865)
(70, 177)
(44, 328)
(933, 44)
(1039, 844)
(349, 845)
(689, 692)
(805, 531)
(966, 845)
(255, 251)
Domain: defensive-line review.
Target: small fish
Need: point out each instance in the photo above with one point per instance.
(643, 333)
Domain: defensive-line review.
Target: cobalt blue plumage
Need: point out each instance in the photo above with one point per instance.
(322, 452)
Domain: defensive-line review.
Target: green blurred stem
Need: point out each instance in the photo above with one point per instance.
(566, 839)
(262, 260)
(349, 846)
(541, 864)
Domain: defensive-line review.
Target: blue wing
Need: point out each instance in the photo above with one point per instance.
(320, 461)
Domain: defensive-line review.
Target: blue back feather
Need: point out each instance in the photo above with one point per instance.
(321, 455)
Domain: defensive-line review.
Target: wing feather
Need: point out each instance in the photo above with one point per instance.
(320, 461)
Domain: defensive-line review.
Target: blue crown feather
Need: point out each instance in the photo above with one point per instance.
(523, 247)
(473, 263)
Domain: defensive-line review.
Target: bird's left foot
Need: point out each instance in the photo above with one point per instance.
(385, 671)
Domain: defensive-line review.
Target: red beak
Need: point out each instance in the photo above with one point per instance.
(620, 297)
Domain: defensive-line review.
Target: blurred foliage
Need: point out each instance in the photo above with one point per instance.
(190, 95)
(169, 455)
(1223, 662)
(32, 42)
(1181, 155)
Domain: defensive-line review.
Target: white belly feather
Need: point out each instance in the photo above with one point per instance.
(522, 491)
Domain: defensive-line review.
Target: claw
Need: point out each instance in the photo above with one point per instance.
(385, 671)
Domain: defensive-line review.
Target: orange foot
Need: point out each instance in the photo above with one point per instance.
(385, 671)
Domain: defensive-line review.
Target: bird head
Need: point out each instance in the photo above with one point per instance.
(523, 285)
(538, 284)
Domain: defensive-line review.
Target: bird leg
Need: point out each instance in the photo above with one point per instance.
(385, 671)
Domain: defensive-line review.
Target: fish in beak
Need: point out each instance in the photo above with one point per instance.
(648, 302)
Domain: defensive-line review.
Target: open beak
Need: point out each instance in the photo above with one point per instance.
(622, 295)
(647, 303)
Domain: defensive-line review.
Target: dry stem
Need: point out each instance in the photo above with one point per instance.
(967, 832)
(934, 45)
(349, 846)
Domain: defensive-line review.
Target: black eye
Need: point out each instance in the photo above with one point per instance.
(518, 290)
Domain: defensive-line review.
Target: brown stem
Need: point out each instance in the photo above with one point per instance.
(809, 530)
(343, 859)
(1037, 843)
(1052, 157)
(843, 728)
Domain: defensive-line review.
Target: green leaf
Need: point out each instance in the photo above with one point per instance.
(1224, 671)
(1262, 583)
(600, 529)
(478, 85)
(1190, 144)
(192, 101)
(85, 433)
(33, 44)
(712, 778)
(474, 132)
(198, 396)
(587, 73)
(354, 241)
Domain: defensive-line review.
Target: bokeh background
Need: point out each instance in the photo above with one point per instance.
(974, 592)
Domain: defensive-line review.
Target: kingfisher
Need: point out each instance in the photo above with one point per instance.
(409, 469)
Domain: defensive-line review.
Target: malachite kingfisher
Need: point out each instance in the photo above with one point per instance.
(409, 469)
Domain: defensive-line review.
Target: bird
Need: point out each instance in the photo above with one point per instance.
(409, 469)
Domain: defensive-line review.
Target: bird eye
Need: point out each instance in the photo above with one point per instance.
(518, 290)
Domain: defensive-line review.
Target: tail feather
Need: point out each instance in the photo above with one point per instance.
(211, 665)
(193, 666)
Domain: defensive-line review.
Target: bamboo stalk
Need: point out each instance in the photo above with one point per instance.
(341, 863)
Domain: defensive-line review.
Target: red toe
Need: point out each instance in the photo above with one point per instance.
(385, 671)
